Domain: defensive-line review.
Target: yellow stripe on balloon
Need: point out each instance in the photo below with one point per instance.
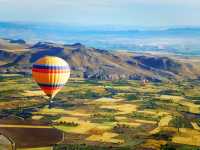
(51, 78)
(54, 61)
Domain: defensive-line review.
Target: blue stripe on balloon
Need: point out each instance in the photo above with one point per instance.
(37, 66)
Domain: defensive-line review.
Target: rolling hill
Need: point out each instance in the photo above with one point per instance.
(16, 56)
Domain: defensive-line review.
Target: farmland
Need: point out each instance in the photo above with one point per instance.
(120, 114)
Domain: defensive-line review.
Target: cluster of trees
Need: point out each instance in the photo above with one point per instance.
(83, 95)
(149, 104)
(71, 124)
(121, 128)
(139, 115)
(171, 92)
(134, 96)
(102, 118)
(168, 147)
(88, 147)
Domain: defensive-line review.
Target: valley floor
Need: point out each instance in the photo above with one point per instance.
(108, 114)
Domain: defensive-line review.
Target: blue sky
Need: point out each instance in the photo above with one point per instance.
(145, 13)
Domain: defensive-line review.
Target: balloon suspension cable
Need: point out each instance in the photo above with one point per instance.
(50, 102)
(51, 99)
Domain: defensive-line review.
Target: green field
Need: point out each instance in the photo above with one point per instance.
(119, 114)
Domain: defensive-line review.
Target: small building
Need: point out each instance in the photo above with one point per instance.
(27, 134)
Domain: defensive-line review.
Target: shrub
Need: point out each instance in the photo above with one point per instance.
(168, 147)
(130, 97)
(150, 104)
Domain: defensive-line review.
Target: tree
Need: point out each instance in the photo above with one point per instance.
(180, 122)
(167, 147)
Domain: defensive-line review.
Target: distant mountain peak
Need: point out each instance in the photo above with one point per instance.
(75, 45)
(45, 45)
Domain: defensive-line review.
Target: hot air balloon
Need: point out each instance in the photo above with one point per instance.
(51, 73)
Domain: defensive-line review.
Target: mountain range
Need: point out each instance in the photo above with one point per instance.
(16, 56)
(175, 40)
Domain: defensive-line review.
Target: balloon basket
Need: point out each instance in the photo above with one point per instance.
(50, 103)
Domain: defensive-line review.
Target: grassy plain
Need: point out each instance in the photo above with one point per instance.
(118, 114)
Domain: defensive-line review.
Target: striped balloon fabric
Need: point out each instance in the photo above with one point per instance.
(51, 74)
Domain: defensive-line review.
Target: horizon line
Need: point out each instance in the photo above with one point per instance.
(100, 25)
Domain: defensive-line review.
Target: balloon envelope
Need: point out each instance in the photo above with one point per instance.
(51, 74)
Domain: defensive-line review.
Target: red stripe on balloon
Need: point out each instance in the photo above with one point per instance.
(49, 70)
(50, 88)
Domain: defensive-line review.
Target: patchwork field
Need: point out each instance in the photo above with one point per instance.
(106, 114)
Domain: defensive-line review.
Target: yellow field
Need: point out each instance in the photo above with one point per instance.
(11, 75)
(56, 111)
(193, 92)
(126, 88)
(131, 124)
(147, 89)
(164, 121)
(187, 136)
(37, 117)
(154, 112)
(33, 93)
(53, 111)
(121, 118)
(99, 89)
(84, 127)
(170, 97)
(195, 126)
(154, 144)
(106, 137)
(19, 103)
(145, 121)
(122, 108)
(107, 100)
(193, 108)
(68, 119)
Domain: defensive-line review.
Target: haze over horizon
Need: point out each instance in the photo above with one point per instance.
(136, 13)
(135, 25)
